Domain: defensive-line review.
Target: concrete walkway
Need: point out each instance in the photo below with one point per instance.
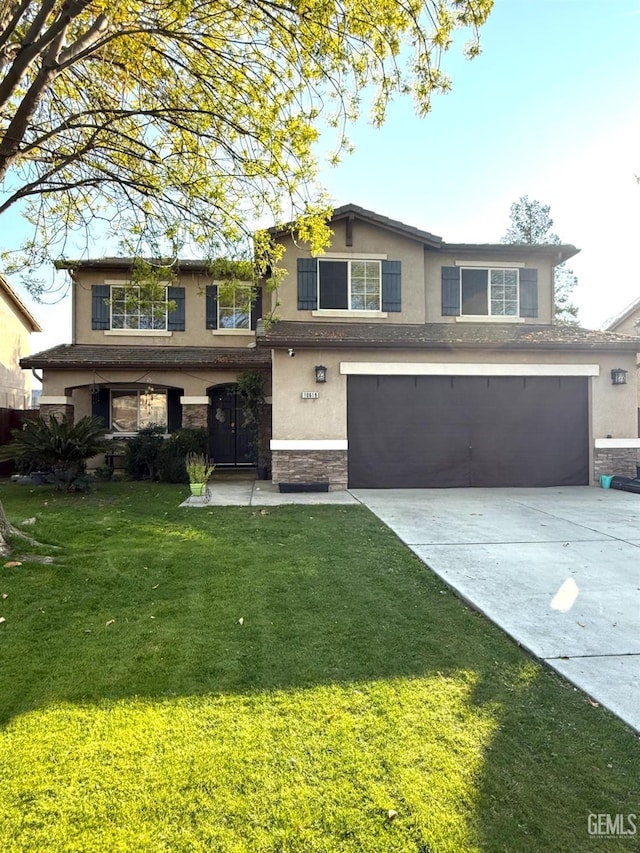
(234, 491)
(557, 569)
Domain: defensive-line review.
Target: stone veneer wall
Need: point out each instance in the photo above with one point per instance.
(310, 466)
(620, 461)
(57, 409)
(195, 415)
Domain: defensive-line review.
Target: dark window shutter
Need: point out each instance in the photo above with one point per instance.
(256, 308)
(212, 306)
(391, 286)
(450, 291)
(175, 318)
(101, 405)
(307, 284)
(528, 293)
(174, 409)
(100, 313)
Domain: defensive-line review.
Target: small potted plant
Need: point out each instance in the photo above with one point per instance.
(199, 469)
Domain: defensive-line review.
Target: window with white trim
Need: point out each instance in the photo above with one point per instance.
(489, 292)
(130, 310)
(234, 307)
(132, 410)
(353, 285)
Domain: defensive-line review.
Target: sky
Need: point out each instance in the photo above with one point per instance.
(550, 109)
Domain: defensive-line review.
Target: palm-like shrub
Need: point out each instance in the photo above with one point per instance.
(61, 446)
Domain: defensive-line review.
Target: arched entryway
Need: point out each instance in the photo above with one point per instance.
(230, 442)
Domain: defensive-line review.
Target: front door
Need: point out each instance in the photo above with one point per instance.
(229, 440)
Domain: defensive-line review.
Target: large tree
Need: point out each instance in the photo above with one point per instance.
(531, 223)
(188, 119)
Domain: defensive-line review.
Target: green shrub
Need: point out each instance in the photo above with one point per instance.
(143, 452)
(59, 447)
(171, 462)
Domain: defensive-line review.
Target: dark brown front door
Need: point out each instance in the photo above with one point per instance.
(460, 431)
(229, 441)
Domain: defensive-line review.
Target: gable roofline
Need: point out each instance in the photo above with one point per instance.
(624, 315)
(353, 210)
(560, 251)
(27, 317)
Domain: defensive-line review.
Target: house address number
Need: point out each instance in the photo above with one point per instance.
(310, 395)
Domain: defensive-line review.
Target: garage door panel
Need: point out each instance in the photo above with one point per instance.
(437, 431)
(396, 443)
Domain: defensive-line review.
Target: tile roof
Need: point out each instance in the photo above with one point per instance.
(441, 336)
(94, 356)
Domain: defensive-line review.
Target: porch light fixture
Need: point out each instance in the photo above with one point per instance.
(321, 373)
(618, 376)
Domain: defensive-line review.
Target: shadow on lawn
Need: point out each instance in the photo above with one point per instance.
(288, 608)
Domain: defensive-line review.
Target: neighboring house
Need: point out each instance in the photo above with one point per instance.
(442, 363)
(16, 326)
(628, 323)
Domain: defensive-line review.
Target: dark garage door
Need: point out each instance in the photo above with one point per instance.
(444, 431)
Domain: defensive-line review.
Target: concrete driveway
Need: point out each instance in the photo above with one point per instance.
(557, 569)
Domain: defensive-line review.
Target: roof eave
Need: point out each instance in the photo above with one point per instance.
(28, 318)
(560, 251)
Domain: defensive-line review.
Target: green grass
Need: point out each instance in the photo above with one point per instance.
(231, 679)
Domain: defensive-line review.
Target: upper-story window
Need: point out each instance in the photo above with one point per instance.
(130, 310)
(349, 285)
(489, 291)
(119, 308)
(506, 293)
(234, 307)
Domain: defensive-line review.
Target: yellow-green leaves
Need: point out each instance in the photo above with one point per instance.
(194, 121)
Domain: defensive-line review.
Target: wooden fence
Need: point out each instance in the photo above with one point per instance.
(11, 419)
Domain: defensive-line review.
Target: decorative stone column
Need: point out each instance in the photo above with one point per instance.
(310, 461)
(58, 406)
(617, 456)
(195, 412)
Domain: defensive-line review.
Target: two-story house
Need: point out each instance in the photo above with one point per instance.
(443, 366)
(16, 325)
(395, 360)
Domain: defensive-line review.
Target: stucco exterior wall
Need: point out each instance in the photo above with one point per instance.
(421, 274)
(15, 383)
(435, 260)
(630, 325)
(194, 382)
(195, 333)
(613, 408)
(367, 239)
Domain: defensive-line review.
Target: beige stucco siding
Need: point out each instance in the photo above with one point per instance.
(368, 240)
(15, 383)
(630, 325)
(613, 408)
(194, 382)
(434, 261)
(195, 333)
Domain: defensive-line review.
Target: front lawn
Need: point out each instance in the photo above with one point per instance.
(290, 679)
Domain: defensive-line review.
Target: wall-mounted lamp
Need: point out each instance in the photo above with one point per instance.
(321, 373)
(618, 376)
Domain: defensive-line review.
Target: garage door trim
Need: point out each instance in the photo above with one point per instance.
(394, 368)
